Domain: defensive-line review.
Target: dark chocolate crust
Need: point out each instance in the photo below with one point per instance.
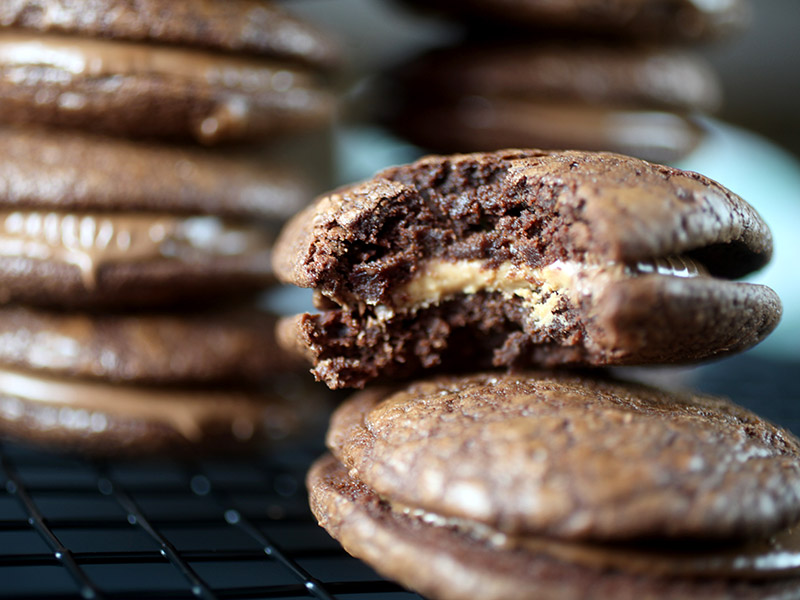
(677, 20)
(75, 171)
(595, 73)
(572, 457)
(652, 320)
(483, 124)
(236, 345)
(246, 26)
(444, 564)
(155, 283)
(152, 105)
(633, 99)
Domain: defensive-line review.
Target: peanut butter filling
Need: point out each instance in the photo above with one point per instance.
(91, 241)
(87, 405)
(775, 557)
(539, 289)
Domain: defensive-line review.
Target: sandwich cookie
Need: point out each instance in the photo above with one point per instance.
(252, 27)
(148, 382)
(93, 221)
(524, 257)
(161, 71)
(542, 485)
(633, 99)
(664, 20)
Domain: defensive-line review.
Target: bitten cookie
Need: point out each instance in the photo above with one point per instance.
(634, 99)
(524, 257)
(208, 70)
(147, 382)
(542, 485)
(93, 221)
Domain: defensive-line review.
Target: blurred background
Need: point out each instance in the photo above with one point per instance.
(759, 68)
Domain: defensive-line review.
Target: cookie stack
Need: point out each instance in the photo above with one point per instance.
(593, 75)
(129, 255)
(517, 483)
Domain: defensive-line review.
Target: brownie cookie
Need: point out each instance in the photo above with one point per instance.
(147, 382)
(543, 485)
(571, 457)
(625, 75)
(208, 70)
(93, 221)
(138, 90)
(524, 257)
(638, 100)
(256, 27)
(675, 20)
(447, 563)
(108, 418)
(223, 344)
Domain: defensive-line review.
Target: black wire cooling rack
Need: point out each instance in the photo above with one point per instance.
(232, 528)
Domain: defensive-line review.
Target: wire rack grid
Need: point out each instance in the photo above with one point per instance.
(213, 529)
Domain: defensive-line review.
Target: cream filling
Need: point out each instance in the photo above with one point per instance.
(540, 289)
(91, 241)
(776, 557)
(87, 405)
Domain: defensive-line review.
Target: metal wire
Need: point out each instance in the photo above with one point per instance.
(72, 528)
(61, 553)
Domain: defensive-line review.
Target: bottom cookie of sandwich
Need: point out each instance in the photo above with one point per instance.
(454, 559)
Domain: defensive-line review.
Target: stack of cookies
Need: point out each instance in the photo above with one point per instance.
(584, 74)
(130, 256)
(496, 481)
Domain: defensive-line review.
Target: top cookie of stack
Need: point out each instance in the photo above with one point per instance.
(210, 70)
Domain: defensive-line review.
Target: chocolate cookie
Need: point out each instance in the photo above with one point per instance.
(257, 27)
(109, 418)
(571, 457)
(543, 485)
(147, 382)
(524, 257)
(234, 345)
(144, 90)
(634, 99)
(448, 563)
(92, 221)
(686, 20)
